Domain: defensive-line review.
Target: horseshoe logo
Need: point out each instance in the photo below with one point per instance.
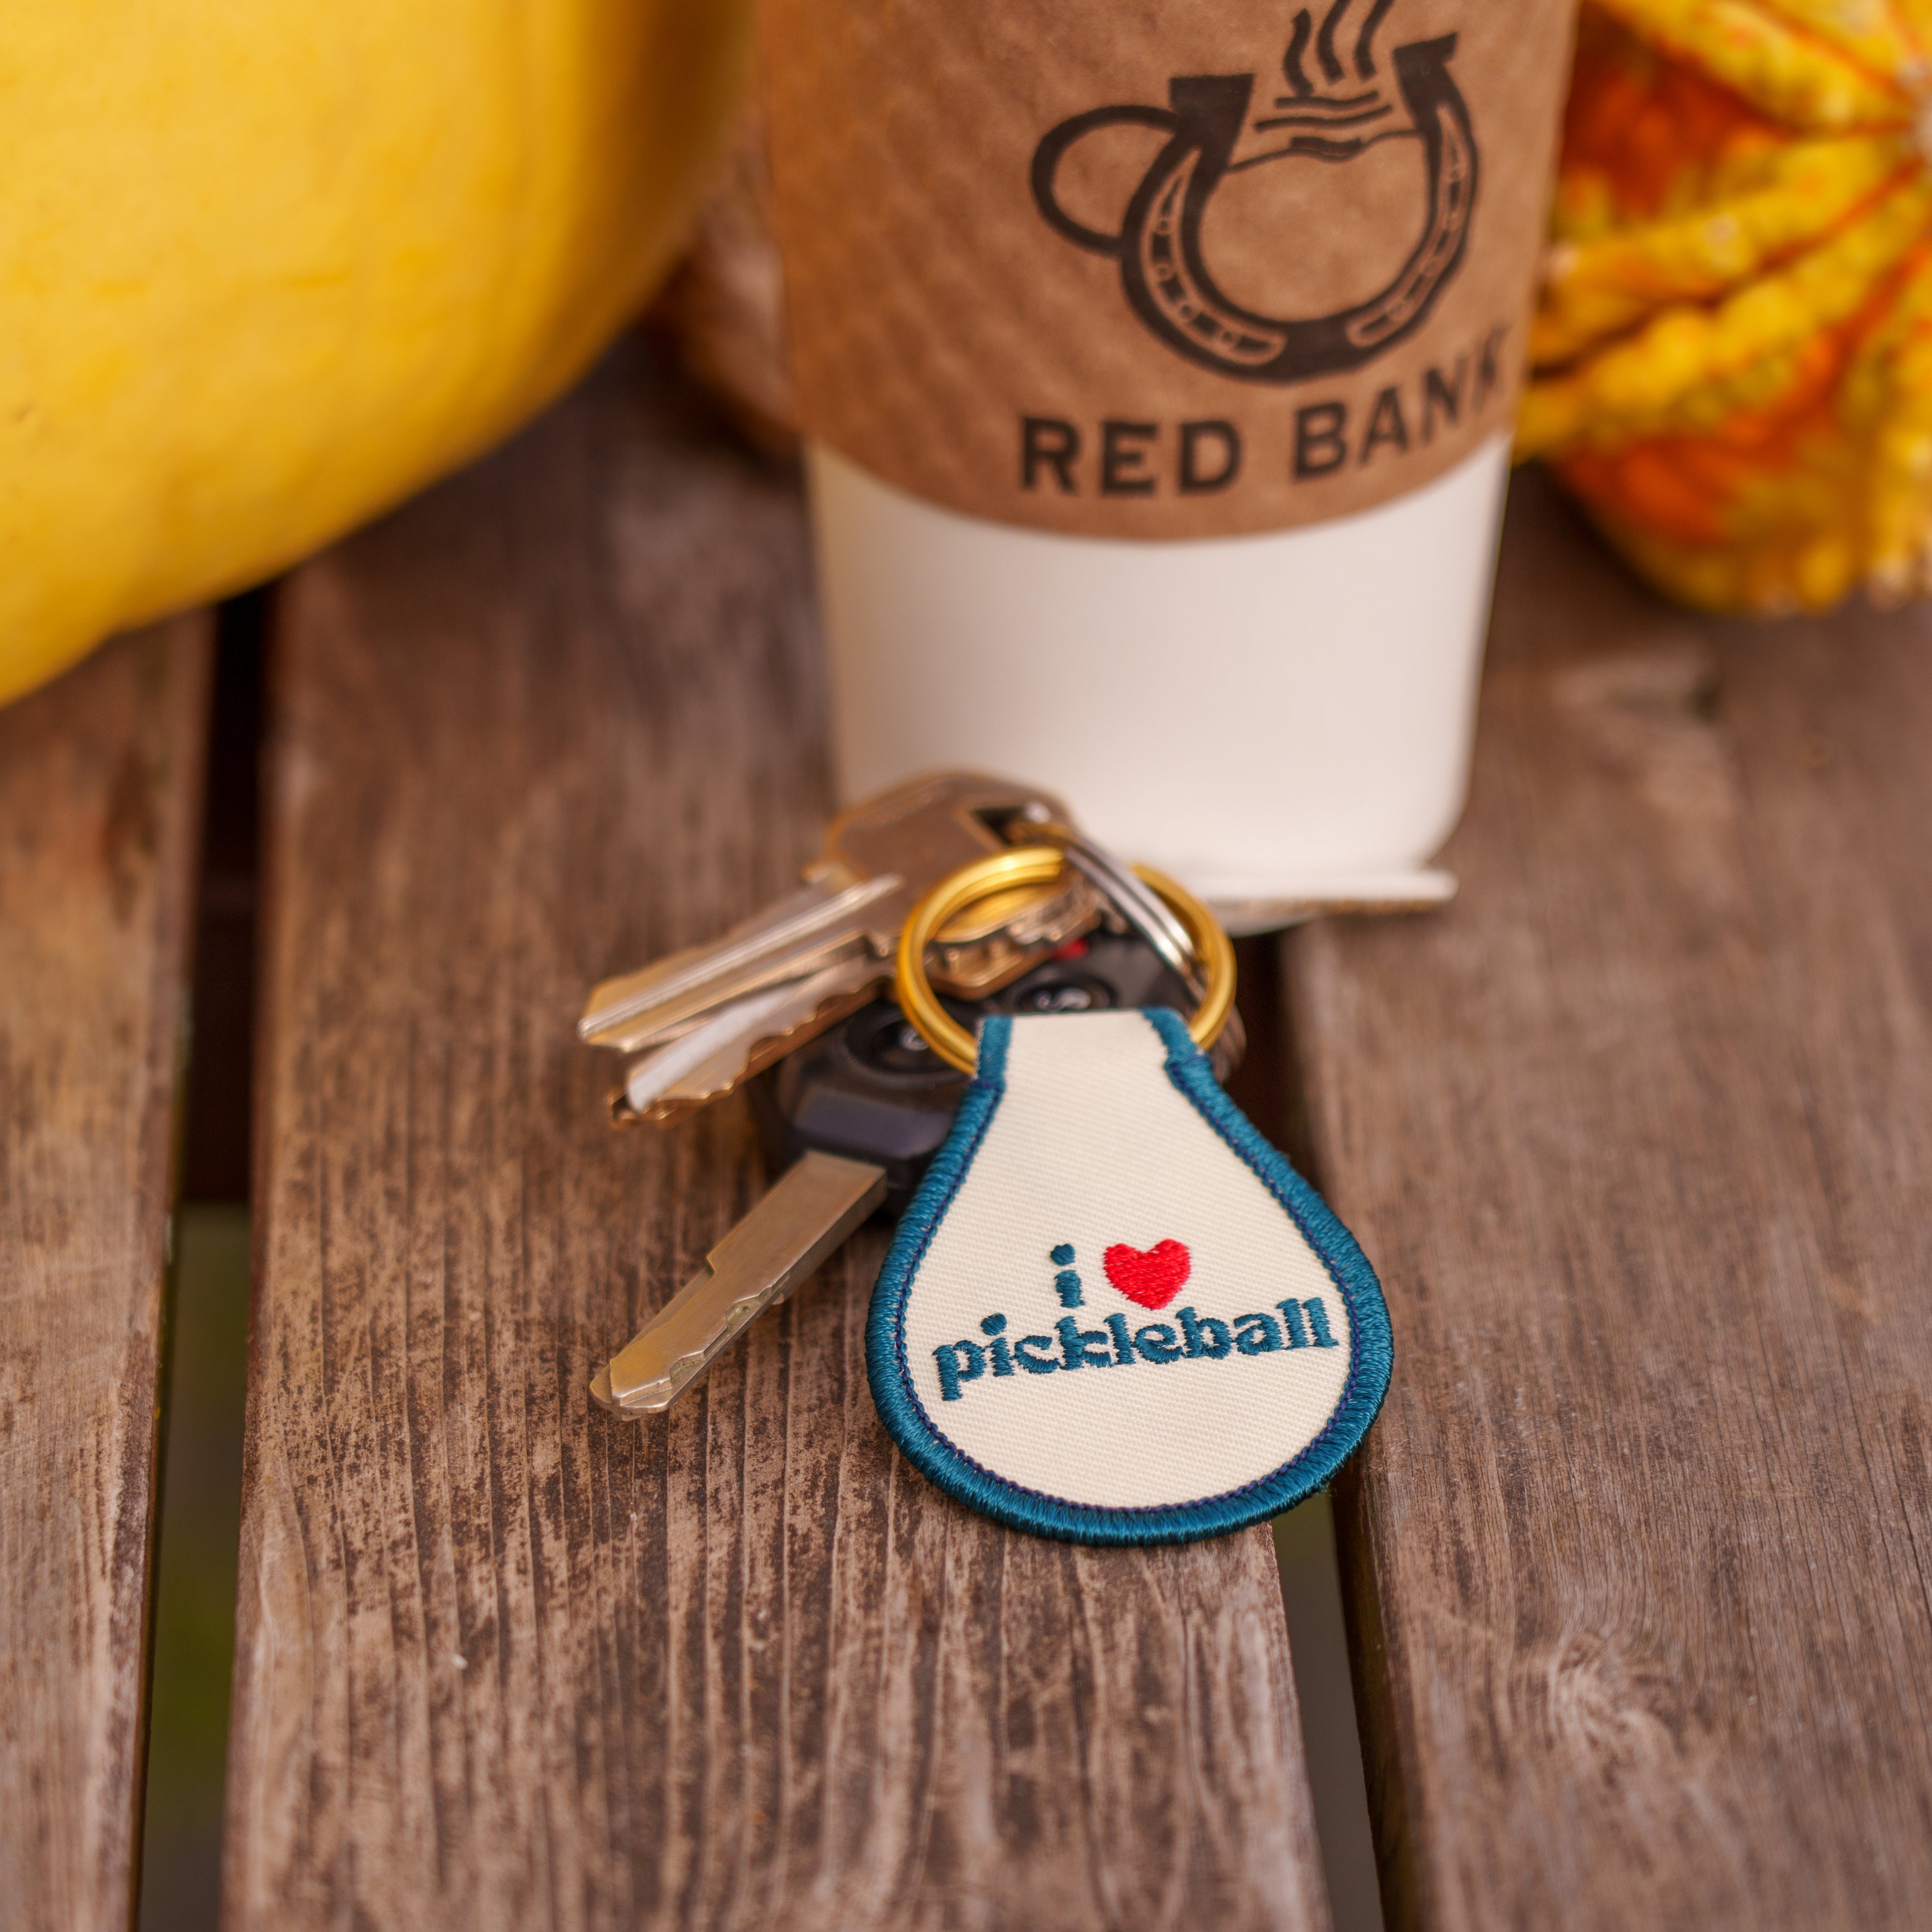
(1163, 272)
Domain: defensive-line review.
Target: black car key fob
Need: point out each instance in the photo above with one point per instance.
(870, 1089)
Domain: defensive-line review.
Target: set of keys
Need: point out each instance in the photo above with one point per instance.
(695, 1026)
(850, 1100)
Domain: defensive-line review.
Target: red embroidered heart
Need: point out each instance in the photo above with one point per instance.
(1153, 1279)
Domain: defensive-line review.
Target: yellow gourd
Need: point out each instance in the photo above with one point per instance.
(1732, 354)
(268, 265)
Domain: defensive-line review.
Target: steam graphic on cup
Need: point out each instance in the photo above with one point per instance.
(1164, 272)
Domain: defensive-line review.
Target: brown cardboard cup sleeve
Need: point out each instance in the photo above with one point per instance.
(1159, 270)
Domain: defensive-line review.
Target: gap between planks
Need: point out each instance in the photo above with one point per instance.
(99, 788)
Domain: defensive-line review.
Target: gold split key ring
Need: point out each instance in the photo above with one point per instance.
(1037, 865)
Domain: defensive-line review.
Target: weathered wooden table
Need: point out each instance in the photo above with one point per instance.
(1639, 1133)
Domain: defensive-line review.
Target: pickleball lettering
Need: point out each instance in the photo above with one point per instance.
(996, 1354)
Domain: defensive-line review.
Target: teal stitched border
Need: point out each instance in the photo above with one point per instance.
(1371, 1355)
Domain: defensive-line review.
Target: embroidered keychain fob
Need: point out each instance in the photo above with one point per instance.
(1113, 1313)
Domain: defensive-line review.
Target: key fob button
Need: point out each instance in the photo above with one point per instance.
(1059, 990)
(880, 1040)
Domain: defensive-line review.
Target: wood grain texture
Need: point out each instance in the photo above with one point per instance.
(99, 786)
(1640, 1134)
(504, 1660)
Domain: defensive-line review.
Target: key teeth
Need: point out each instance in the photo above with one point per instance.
(759, 1050)
(655, 1396)
(653, 1399)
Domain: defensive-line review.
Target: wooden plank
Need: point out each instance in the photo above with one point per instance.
(99, 785)
(502, 1659)
(1640, 1135)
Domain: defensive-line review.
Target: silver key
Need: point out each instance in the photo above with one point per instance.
(1137, 904)
(816, 927)
(715, 1056)
(815, 1205)
(706, 1018)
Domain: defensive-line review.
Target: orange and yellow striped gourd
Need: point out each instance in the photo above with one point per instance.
(1732, 352)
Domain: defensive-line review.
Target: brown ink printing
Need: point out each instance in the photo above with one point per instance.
(1164, 269)
(1115, 458)
(1181, 268)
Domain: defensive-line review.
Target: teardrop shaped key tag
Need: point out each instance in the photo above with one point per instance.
(1113, 1313)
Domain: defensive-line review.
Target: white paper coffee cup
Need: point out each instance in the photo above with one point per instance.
(1272, 717)
(1157, 370)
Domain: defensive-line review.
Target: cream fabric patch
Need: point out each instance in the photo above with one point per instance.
(1113, 1313)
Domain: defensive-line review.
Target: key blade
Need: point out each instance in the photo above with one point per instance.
(610, 999)
(779, 1025)
(1296, 902)
(814, 1206)
(794, 936)
(657, 1072)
